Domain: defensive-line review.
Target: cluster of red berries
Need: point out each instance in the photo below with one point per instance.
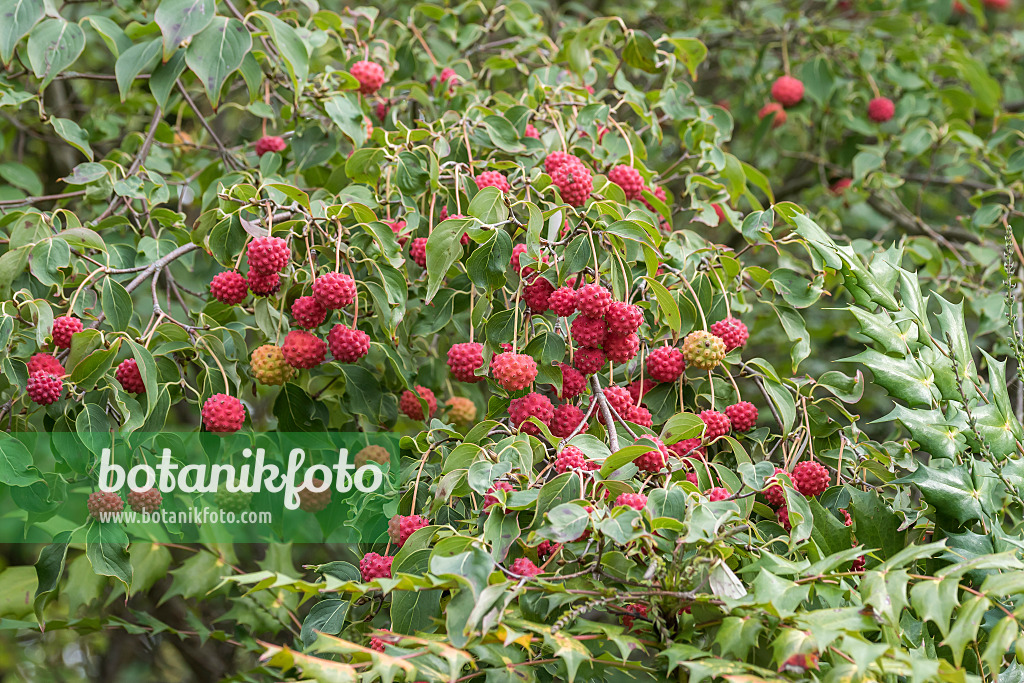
(810, 479)
(788, 91)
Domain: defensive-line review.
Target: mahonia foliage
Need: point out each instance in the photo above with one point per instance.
(616, 277)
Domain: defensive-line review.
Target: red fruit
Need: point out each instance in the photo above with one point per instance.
(223, 414)
(264, 285)
(303, 350)
(537, 294)
(518, 251)
(374, 566)
(653, 460)
(513, 371)
(377, 644)
(621, 348)
(465, 359)
(742, 416)
(531, 405)
(639, 415)
(847, 520)
(396, 227)
(531, 131)
(716, 424)
(268, 255)
(563, 301)
(570, 458)
(782, 515)
(525, 567)
(147, 500)
(638, 393)
(400, 528)
(229, 287)
(44, 388)
(996, 4)
(573, 181)
(810, 478)
(716, 494)
(634, 611)
(720, 212)
(658, 192)
(773, 108)
(334, 290)
(493, 179)
(732, 331)
(308, 312)
(589, 360)
(787, 91)
(555, 160)
(128, 375)
(666, 364)
(773, 493)
(102, 503)
(881, 109)
(629, 179)
(447, 74)
(348, 345)
(418, 252)
(382, 109)
(573, 382)
(637, 501)
(370, 76)
(44, 362)
(688, 448)
(623, 318)
(839, 186)
(409, 403)
(565, 419)
(490, 500)
(587, 331)
(858, 564)
(546, 549)
(692, 478)
(619, 400)
(269, 143)
(63, 328)
(593, 300)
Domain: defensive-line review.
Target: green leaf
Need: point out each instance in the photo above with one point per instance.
(489, 206)
(691, 52)
(327, 616)
(965, 627)
(179, 20)
(291, 47)
(117, 304)
(668, 310)
(16, 19)
(444, 247)
(216, 52)
(72, 134)
(53, 46)
(15, 461)
(107, 550)
(488, 263)
(950, 490)
(135, 60)
(877, 526)
(49, 568)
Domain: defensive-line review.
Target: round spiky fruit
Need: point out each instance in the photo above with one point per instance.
(773, 492)
(555, 160)
(308, 312)
(314, 501)
(348, 344)
(881, 109)
(787, 91)
(223, 414)
(371, 453)
(409, 403)
(653, 460)
(532, 405)
(573, 382)
(639, 415)
(537, 294)
(546, 549)
(400, 528)
(716, 494)
(44, 388)
(493, 179)
(374, 566)
(840, 186)
(268, 255)
(810, 478)
(531, 131)
(490, 499)
(44, 362)
(524, 567)
(370, 76)
(688, 448)
(629, 179)
(563, 301)
(418, 251)
(731, 331)
(773, 109)
(742, 416)
(589, 360)
(232, 501)
(229, 287)
(570, 458)
(782, 515)
(264, 284)
(269, 366)
(623, 318)
(716, 423)
(619, 400)
(621, 348)
(587, 331)
(573, 181)
(63, 328)
(146, 500)
(334, 290)
(593, 300)
(703, 350)
(397, 227)
(465, 359)
(640, 388)
(128, 375)
(103, 503)
(633, 611)
(270, 143)
(565, 419)
(516, 261)
(377, 644)
(637, 501)
(303, 350)
(666, 364)
(461, 410)
(513, 371)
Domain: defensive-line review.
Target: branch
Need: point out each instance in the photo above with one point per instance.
(606, 412)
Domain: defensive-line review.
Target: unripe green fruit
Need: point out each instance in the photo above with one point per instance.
(232, 501)
(703, 350)
(269, 366)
